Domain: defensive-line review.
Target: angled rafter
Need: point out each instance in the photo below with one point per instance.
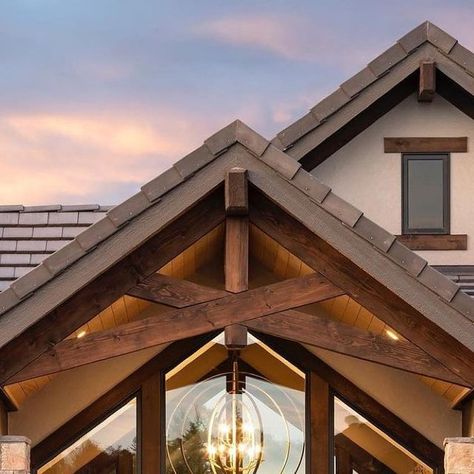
(181, 324)
(363, 288)
(166, 244)
(339, 337)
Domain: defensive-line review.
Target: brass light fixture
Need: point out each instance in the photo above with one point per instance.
(233, 423)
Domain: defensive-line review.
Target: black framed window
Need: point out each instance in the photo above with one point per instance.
(425, 193)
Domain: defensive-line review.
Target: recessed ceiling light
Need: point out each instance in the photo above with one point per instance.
(392, 335)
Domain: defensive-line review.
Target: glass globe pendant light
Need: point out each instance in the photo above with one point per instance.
(235, 443)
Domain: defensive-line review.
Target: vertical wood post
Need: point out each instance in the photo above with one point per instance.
(427, 85)
(237, 231)
(14, 455)
(319, 429)
(153, 421)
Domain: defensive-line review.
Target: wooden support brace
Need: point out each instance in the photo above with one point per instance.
(235, 337)
(236, 192)
(427, 86)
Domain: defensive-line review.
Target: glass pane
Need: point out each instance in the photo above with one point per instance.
(211, 427)
(109, 448)
(425, 193)
(361, 447)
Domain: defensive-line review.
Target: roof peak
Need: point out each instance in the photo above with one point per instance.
(425, 42)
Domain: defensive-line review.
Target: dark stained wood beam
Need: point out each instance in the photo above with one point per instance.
(367, 406)
(425, 144)
(235, 336)
(236, 254)
(434, 241)
(363, 288)
(312, 330)
(112, 284)
(237, 231)
(338, 337)
(236, 192)
(427, 85)
(180, 324)
(174, 291)
(319, 401)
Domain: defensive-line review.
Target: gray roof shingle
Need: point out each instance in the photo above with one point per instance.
(28, 234)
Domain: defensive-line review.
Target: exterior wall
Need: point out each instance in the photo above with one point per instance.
(70, 392)
(370, 179)
(402, 393)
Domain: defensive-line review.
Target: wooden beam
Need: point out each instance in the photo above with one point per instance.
(363, 288)
(434, 241)
(367, 406)
(338, 337)
(427, 84)
(319, 423)
(425, 144)
(105, 405)
(174, 291)
(181, 324)
(237, 254)
(153, 424)
(235, 336)
(236, 193)
(112, 284)
(312, 330)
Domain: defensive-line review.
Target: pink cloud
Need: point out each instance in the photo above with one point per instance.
(291, 37)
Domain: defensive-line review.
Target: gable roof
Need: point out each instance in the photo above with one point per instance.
(277, 175)
(371, 84)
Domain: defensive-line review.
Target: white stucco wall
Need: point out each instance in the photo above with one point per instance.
(370, 179)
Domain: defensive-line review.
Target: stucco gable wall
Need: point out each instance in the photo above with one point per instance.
(370, 179)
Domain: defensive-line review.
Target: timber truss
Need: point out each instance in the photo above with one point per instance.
(273, 310)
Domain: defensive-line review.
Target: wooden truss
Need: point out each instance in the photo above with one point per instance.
(196, 310)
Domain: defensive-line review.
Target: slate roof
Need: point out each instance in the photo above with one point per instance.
(28, 234)
(425, 34)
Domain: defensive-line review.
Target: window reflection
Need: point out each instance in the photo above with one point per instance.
(109, 448)
(361, 447)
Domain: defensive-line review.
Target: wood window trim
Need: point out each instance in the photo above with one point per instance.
(434, 241)
(329, 384)
(446, 158)
(425, 144)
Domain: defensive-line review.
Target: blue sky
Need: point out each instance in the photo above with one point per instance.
(99, 96)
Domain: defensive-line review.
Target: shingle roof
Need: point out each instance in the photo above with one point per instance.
(285, 168)
(425, 34)
(28, 234)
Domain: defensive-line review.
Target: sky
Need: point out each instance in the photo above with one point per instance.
(98, 97)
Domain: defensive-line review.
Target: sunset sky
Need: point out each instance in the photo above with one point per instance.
(99, 96)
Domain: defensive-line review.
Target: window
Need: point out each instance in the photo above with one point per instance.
(213, 426)
(425, 193)
(109, 448)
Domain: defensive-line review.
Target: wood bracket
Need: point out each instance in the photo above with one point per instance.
(427, 85)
